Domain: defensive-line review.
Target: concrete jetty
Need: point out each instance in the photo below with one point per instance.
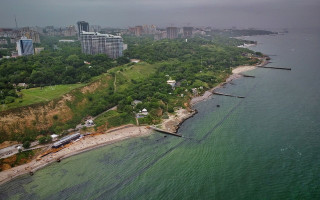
(164, 131)
(249, 76)
(228, 95)
(283, 68)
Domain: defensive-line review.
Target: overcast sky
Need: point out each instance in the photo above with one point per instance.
(124, 13)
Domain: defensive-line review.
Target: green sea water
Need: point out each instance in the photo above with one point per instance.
(265, 146)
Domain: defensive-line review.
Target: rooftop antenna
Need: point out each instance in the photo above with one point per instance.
(15, 19)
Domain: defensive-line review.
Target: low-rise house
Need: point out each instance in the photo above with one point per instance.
(195, 91)
(171, 82)
(24, 85)
(142, 113)
(89, 123)
(38, 50)
(134, 60)
(135, 102)
(54, 137)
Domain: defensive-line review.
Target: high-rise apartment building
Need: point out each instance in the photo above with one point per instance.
(82, 26)
(97, 43)
(172, 32)
(69, 31)
(33, 35)
(138, 30)
(25, 47)
(187, 32)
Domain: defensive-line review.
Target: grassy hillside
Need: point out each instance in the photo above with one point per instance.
(36, 95)
(129, 73)
(59, 114)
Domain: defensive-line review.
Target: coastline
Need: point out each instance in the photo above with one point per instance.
(94, 141)
(83, 145)
(120, 133)
(236, 73)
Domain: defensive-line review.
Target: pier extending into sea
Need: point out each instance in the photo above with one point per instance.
(228, 95)
(283, 68)
(164, 131)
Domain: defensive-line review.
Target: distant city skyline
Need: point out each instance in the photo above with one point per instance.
(125, 13)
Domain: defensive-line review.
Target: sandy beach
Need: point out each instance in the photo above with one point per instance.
(85, 144)
(95, 141)
(236, 73)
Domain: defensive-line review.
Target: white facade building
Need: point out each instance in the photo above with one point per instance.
(97, 43)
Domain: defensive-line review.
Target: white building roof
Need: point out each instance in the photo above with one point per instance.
(100, 34)
(171, 81)
(54, 136)
(66, 40)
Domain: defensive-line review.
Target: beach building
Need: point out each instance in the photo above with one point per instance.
(65, 140)
(89, 123)
(54, 137)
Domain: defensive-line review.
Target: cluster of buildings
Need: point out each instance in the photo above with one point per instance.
(93, 39)
(143, 30)
(23, 39)
(62, 31)
(167, 33)
(14, 35)
(24, 47)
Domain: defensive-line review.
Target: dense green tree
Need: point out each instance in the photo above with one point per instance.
(26, 144)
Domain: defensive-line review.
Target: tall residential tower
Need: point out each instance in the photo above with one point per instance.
(172, 32)
(25, 47)
(187, 32)
(97, 43)
(82, 26)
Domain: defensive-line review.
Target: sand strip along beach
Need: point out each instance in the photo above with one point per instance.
(84, 144)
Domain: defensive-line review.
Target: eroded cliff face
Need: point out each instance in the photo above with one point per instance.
(35, 117)
(42, 116)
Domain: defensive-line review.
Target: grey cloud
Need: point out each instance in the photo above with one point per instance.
(123, 13)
